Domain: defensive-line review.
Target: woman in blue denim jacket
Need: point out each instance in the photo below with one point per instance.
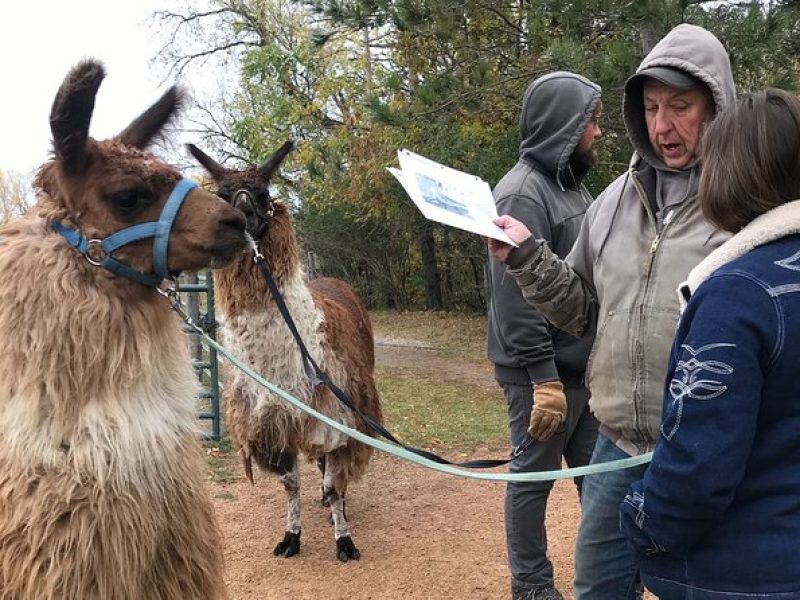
(717, 514)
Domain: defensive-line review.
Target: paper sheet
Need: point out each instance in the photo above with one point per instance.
(449, 196)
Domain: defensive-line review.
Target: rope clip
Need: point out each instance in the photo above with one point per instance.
(254, 247)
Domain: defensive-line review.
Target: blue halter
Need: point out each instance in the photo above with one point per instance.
(98, 252)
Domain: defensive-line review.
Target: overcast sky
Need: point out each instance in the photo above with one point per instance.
(40, 40)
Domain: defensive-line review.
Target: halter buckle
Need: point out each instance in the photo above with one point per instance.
(95, 253)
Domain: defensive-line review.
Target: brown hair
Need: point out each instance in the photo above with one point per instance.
(751, 159)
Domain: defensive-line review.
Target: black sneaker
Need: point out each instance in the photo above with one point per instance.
(542, 593)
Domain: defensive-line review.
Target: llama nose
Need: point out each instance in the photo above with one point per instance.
(230, 236)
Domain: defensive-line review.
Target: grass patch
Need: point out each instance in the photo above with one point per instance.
(220, 461)
(423, 411)
(220, 469)
(456, 335)
(224, 444)
(227, 496)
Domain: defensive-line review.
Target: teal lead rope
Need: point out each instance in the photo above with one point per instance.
(397, 451)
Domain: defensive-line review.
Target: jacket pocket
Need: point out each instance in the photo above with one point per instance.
(608, 371)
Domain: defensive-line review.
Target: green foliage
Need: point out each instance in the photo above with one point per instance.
(354, 80)
(370, 252)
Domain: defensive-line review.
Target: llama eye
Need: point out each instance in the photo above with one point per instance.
(127, 201)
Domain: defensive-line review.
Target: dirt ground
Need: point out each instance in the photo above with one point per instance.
(422, 534)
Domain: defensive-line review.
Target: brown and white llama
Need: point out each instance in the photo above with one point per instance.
(101, 475)
(336, 328)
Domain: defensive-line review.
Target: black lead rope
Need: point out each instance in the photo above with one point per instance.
(322, 377)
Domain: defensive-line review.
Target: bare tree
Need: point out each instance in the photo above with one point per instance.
(16, 194)
(211, 30)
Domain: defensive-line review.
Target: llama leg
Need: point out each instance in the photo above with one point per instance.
(345, 548)
(327, 484)
(286, 465)
(321, 465)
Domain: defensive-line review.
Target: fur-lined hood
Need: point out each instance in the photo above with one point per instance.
(779, 222)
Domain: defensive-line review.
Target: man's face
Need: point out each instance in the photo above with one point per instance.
(585, 154)
(675, 120)
(591, 135)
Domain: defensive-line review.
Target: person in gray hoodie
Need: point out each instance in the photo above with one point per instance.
(540, 368)
(638, 242)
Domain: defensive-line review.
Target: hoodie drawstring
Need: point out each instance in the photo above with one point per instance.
(631, 165)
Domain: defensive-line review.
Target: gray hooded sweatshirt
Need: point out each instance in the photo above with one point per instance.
(639, 240)
(541, 191)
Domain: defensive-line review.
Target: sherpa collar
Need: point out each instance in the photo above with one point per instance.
(777, 223)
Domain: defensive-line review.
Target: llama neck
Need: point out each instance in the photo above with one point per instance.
(242, 293)
(241, 289)
(81, 362)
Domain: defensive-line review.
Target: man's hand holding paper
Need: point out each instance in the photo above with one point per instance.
(515, 230)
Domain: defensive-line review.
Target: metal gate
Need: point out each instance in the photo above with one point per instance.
(197, 292)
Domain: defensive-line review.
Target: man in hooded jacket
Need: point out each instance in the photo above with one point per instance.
(638, 242)
(540, 368)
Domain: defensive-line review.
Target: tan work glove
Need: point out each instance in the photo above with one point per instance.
(549, 409)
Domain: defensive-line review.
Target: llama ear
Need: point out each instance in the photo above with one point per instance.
(266, 170)
(72, 112)
(216, 170)
(144, 128)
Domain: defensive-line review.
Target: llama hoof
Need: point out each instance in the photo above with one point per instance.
(346, 549)
(289, 546)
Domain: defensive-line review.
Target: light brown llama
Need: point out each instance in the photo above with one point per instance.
(101, 476)
(335, 326)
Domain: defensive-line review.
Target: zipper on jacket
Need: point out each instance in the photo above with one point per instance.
(650, 258)
(639, 400)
